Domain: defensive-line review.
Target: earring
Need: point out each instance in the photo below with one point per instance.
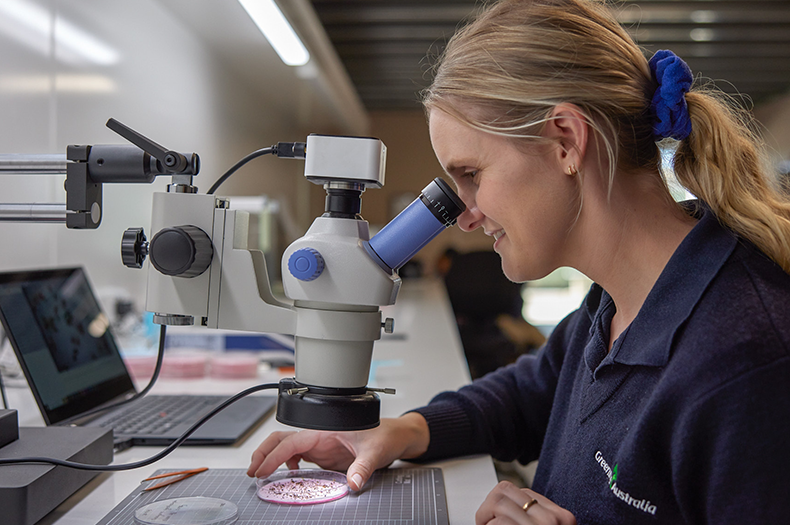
(572, 170)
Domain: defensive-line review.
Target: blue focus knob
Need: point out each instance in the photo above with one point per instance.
(306, 264)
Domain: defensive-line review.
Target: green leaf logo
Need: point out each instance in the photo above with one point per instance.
(614, 476)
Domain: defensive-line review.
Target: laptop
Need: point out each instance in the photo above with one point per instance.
(72, 364)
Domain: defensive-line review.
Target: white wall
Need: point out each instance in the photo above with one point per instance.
(164, 73)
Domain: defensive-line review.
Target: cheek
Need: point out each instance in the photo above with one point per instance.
(492, 197)
(466, 193)
(538, 225)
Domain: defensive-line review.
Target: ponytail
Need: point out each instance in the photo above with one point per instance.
(721, 163)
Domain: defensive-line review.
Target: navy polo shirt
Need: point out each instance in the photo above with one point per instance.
(685, 420)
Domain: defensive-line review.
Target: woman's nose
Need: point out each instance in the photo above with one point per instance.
(470, 219)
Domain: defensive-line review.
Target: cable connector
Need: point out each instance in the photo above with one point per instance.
(291, 150)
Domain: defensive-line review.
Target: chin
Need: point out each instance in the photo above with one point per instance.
(522, 273)
(515, 275)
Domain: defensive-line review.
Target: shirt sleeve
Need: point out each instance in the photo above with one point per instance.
(504, 413)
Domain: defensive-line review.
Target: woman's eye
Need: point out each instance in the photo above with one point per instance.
(464, 177)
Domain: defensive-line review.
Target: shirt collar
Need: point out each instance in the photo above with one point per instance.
(678, 289)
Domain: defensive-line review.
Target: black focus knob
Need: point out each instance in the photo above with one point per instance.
(183, 251)
(134, 247)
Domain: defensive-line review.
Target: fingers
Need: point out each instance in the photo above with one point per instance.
(359, 473)
(548, 511)
(279, 448)
(377, 448)
(360, 453)
(263, 450)
(506, 504)
(497, 505)
(293, 445)
(293, 463)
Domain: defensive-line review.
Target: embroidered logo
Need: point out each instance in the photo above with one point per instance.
(614, 476)
(611, 473)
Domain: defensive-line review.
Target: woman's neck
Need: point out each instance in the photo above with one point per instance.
(628, 241)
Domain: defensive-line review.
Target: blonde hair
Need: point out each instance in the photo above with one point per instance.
(506, 71)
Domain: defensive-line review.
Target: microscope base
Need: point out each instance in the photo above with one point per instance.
(29, 492)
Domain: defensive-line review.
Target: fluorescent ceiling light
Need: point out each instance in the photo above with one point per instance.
(704, 16)
(32, 25)
(76, 83)
(72, 41)
(270, 20)
(64, 83)
(701, 34)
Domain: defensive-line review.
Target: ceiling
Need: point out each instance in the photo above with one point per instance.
(743, 45)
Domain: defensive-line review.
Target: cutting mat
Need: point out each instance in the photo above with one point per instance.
(392, 497)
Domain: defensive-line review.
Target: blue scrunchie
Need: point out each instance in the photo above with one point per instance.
(669, 108)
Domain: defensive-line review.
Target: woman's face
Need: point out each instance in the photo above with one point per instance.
(525, 201)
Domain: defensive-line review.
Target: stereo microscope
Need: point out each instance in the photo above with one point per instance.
(336, 277)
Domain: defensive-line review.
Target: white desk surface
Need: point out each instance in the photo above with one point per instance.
(422, 358)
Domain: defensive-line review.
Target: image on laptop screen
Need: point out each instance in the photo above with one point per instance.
(63, 341)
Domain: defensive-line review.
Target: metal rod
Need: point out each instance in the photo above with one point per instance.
(43, 164)
(32, 212)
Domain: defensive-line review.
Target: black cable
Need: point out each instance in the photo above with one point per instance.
(255, 154)
(284, 150)
(155, 457)
(159, 358)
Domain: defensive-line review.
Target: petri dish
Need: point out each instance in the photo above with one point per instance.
(192, 510)
(302, 487)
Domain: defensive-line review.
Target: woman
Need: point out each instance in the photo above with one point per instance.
(665, 397)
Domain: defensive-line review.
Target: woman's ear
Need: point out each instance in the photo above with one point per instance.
(568, 126)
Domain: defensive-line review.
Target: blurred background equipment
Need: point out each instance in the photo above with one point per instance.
(487, 308)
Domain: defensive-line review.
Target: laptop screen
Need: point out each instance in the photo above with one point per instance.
(62, 340)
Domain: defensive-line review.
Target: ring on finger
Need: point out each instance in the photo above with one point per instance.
(528, 504)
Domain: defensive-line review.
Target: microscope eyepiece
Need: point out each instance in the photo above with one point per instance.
(442, 201)
(435, 209)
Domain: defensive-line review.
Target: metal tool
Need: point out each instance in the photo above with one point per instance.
(183, 474)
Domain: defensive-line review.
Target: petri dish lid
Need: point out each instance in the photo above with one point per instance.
(302, 487)
(192, 510)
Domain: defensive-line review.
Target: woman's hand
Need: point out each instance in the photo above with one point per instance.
(361, 452)
(508, 504)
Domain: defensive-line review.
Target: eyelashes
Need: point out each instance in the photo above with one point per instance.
(470, 176)
(463, 177)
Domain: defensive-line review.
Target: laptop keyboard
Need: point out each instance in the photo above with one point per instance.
(156, 415)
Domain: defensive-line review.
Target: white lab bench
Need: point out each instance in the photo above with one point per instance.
(423, 357)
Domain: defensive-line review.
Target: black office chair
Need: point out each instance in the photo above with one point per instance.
(487, 308)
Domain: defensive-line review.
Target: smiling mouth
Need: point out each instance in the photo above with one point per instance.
(498, 234)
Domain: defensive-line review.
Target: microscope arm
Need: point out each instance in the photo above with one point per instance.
(203, 272)
(240, 296)
(87, 168)
(42, 164)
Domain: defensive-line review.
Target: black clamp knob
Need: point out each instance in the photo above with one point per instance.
(182, 251)
(134, 247)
